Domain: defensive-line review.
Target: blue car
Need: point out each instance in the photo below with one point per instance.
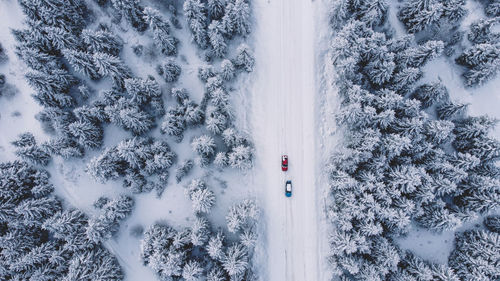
(288, 189)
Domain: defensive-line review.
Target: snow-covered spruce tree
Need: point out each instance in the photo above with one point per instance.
(215, 9)
(235, 260)
(221, 159)
(170, 71)
(60, 38)
(215, 246)
(492, 9)
(242, 216)
(136, 157)
(28, 150)
(196, 15)
(241, 157)
(203, 145)
(227, 71)
(492, 223)
(432, 93)
(450, 110)
(40, 241)
(3, 55)
(102, 227)
(129, 116)
(217, 40)
(109, 65)
(174, 123)
(202, 198)
(133, 13)
(52, 89)
(183, 169)
(192, 271)
(418, 15)
(205, 72)
(236, 20)
(482, 60)
(102, 41)
(162, 36)
(89, 134)
(82, 62)
(475, 255)
(481, 31)
(215, 121)
(142, 91)
(244, 58)
(393, 168)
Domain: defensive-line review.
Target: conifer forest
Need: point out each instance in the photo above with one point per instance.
(249, 140)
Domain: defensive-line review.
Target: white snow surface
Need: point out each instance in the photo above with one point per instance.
(284, 121)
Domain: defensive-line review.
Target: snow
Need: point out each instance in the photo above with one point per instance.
(283, 115)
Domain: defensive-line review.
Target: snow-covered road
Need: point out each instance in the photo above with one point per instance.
(283, 119)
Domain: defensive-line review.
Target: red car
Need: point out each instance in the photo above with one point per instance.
(284, 163)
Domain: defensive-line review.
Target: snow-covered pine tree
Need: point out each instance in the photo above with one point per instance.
(221, 159)
(232, 137)
(451, 110)
(492, 223)
(202, 200)
(215, 121)
(432, 93)
(418, 14)
(215, 9)
(60, 38)
(109, 65)
(203, 145)
(174, 123)
(244, 58)
(241, 157)
(183, 169)
(102, 227)
(88, 134)
(481, 74)
(192, 271)
(52, 88)
(475, 255)
(242, 215)
(215, 246)
(227, 71)
(200, 231)
(481, 31)
(133, 12)
(170, 71)
(102, 41)
(96, 264)
(493, 8)
(193, 115)
(235, 260)
(28, 150)
(142, 90)
(216, 273)
(479, 54)
(439, 218)
(196, 14)
(240, 15)
(129, 116)
(217, 40)
(161, 32)
(205, 72)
